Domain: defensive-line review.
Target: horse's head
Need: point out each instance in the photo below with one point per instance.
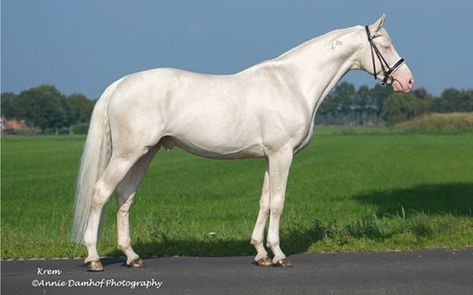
(379, 58)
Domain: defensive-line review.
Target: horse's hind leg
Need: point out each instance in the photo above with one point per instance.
(125, 195)
(116, 170)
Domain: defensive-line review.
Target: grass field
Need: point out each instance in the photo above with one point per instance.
(347, 191)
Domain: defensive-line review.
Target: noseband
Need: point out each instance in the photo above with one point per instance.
(387, 70)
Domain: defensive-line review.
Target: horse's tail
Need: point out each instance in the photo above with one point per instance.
(95, 158)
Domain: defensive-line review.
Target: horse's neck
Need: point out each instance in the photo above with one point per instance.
(320, 63)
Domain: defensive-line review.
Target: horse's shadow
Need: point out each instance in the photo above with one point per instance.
(430, 199)
(296, 241)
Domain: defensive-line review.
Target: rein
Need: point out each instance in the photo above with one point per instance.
(387, 70)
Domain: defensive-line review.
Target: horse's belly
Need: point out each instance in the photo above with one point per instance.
(215, 148)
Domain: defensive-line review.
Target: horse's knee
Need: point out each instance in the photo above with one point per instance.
(100, 195)
(276, 211)
(264, 209)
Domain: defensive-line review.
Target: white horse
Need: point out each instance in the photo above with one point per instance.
(266, 111)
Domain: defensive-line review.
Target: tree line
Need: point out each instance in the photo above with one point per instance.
(380, 105)
(46, 108)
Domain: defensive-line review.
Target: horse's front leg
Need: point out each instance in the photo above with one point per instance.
(257, 237)
(279, 165)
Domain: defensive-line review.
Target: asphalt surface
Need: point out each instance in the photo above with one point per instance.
(423, 272)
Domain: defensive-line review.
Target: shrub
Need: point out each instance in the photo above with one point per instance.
(80, 128)
(438, 122)
(28, 131)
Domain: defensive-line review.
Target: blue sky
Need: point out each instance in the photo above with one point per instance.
(82, 46)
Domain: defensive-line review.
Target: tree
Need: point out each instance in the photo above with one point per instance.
(401, 107)
(378, 96)
(424, 100)
(327, 111)
(454, 100)
(344, 95)
(9, 105)
(467, 103)
(421, 93)
(81, 108)
(339, 103)
(44, 107)
(362, 104)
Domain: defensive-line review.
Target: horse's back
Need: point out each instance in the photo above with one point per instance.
(206, 113)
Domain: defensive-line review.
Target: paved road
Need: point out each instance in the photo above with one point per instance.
(423, 272)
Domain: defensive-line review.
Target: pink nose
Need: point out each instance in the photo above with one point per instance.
(410, 84)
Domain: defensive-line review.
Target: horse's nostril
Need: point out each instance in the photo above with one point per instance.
(411, 81)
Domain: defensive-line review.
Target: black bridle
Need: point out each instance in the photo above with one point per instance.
(387, 70)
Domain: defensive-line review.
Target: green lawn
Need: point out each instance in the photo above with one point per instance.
(347, 191)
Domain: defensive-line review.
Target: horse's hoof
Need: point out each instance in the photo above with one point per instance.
(94, 266)
(264, 261)
(283, 263)
(137, 263)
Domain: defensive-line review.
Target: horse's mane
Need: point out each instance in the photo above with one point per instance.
(322, 39)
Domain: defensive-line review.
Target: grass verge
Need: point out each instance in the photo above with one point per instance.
(370, 192)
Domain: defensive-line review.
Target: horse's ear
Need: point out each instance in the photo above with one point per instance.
(378, 24)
